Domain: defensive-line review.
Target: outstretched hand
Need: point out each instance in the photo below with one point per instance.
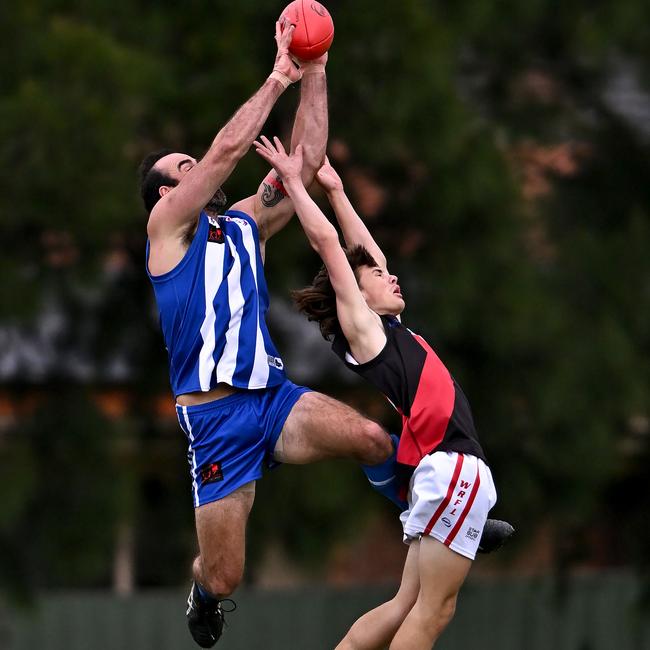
(283, 61)
(287, 166)
(328, 178)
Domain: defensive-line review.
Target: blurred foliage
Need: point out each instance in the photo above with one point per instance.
(514, 206)
(61, 494)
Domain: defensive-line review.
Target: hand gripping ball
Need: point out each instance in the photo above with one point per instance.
(314, 28)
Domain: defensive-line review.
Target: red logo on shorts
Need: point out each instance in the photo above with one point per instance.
(460, 496)
(211, 473)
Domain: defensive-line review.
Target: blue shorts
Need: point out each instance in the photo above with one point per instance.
(230, 438)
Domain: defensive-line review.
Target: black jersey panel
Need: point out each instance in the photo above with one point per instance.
(461, 433)
(435, 411)
(396, 370)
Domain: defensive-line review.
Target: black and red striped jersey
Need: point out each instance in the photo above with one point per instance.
(436, 415)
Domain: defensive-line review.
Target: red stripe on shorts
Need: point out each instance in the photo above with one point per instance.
(468, 507)
(447, 499)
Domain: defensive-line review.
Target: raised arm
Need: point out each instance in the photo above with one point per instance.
(310, 128)
(180, 207)
(271, 207)
(354, 229)
(361, 326)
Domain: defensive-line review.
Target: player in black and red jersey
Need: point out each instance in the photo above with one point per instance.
(358, 303)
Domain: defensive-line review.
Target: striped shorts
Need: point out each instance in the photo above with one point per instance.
(449, 498)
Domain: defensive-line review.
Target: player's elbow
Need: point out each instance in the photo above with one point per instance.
(324, 239)
(226, 151)
(312, 160)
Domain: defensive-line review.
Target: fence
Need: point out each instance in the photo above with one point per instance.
(595, 612)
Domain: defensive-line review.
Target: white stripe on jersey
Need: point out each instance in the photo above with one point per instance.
(228, 362)
(260, 374)
(195, 486)
(213, 275)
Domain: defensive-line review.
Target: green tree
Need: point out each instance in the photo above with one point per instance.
(509, 175)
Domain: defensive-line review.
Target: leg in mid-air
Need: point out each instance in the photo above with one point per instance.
(376, 628)
(450, 497)
(442, 573)
(229, 440)
(218, 570)
(320, 427)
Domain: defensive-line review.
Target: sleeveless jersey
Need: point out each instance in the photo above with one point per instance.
(435, 412)
(212, 309)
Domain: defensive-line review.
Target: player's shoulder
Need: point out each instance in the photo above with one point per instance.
(245, 206)
(240, 219)
(162, 224)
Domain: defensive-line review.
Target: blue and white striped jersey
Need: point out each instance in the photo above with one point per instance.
(212, 309)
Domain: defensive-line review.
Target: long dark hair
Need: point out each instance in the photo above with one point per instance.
(318, 300)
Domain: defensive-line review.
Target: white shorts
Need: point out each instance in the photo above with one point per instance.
(449, 498)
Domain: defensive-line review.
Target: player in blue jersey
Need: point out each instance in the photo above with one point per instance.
(234, 402)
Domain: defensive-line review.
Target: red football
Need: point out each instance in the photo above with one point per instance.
(314, 28)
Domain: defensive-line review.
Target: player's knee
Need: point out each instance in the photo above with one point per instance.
(447, 611)
(222, 582)
(406, 597)
(403, 603)
(439, 617)
(377, 445)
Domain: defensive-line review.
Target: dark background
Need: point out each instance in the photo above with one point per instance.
(499, 152)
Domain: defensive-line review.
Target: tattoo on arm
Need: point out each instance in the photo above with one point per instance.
(273, 192)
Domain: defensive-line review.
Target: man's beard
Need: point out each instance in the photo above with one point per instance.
(217, 202)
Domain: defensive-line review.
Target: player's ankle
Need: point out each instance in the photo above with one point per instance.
(204, 594)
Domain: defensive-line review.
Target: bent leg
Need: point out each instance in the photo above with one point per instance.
(442, 573)
(374, 630)
(221, 531)
(320, 427)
